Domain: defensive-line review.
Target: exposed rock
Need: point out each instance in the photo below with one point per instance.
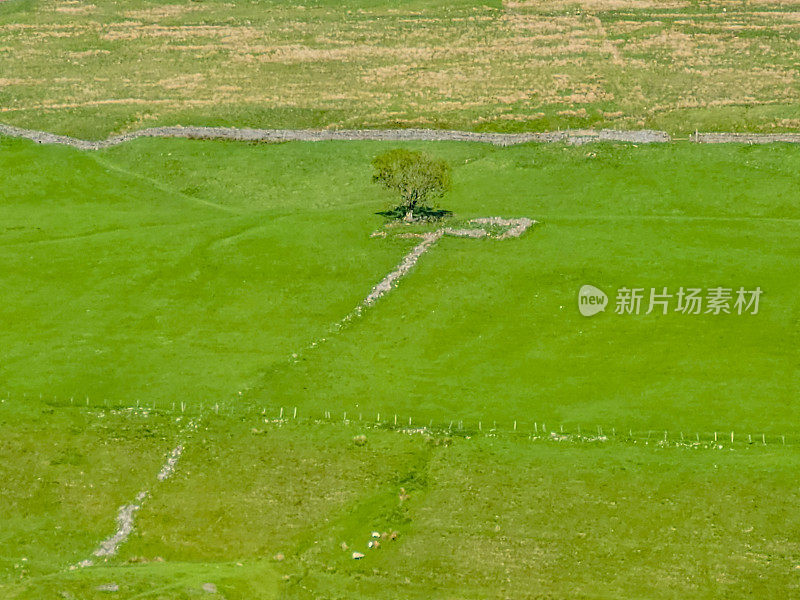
(126, 513)
(574, 136)
(514, 228)
(172, 460)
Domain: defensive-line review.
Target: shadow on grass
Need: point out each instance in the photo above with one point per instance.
(423, 213)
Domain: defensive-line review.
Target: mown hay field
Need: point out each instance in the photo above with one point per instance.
(88, 69)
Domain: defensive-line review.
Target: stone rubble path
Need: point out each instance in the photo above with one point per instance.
(126, 514)
(513, 228)
(508, 228)
(569, 136)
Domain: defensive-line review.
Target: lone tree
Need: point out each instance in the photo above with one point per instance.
(417, 177)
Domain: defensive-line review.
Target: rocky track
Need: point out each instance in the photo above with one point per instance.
(573, 136)
(511, 227)
(126, 515)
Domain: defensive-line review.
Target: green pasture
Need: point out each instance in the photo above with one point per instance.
(163, 280)
(179, 271)
(266, 511)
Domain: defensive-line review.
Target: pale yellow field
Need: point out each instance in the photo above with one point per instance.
(92, 68)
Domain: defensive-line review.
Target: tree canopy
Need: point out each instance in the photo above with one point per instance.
(415, 176)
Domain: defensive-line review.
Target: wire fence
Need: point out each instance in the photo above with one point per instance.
(514, 428)
(540, 430)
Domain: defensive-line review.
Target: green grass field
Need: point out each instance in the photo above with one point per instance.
(167, 280)
(90, 68)
(169, 297)
(200, 283)
(485, 518)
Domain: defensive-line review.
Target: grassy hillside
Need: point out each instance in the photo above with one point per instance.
(483, 516)
(156, 292)
(192, 271)
(84, 68)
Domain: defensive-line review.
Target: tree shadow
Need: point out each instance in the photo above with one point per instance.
(420, 213)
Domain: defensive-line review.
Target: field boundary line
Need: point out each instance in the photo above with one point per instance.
(496, 228)
(245, 134)
(513, 228)
(126, 515)
(520, 426)
(531, 430)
